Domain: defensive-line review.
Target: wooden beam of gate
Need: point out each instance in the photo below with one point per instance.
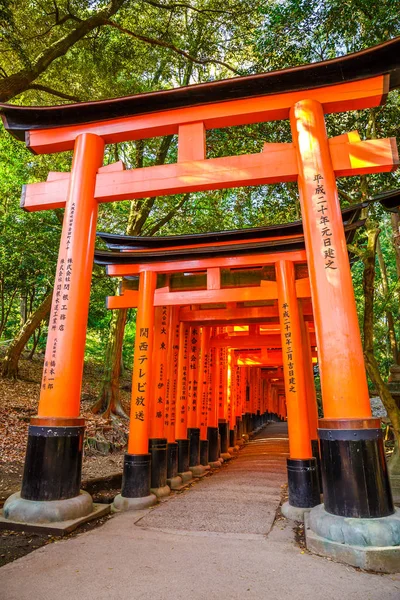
(334, 98)
(238, 316)
(269, 340)
(201, 264)
(253, 359)
(267, 291)
(249, 359)
(277, 163)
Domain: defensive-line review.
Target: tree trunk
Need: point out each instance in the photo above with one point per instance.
(395, 220)
(10, 362)
(23, 309)
(36, 338)
(371, 363)
(109, 400)
(389, 314)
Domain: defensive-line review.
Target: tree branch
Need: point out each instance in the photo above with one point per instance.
(59, 22)
(48, 90)
(156, 42)
(18, 82)
(184, 5)
(345, 196)
(157, 226)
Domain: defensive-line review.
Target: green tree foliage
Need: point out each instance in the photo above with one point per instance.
(69, 50)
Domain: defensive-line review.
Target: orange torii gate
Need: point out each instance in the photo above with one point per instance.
(304, 95)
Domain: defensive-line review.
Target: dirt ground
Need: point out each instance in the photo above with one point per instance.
(105, 443)
(105, 440)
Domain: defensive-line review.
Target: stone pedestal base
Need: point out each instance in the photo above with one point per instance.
(394, 475)
(47, 511)
(186, 476)
(122, 503)
(175, 483)
(199, 470)
(370, 544)
(294, 513)
(226, 456)
(56, 527)
(215, 464)
(161, 492)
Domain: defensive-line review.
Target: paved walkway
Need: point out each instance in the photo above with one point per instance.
(217, 540)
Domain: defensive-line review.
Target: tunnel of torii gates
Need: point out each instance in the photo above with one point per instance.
(229, 324)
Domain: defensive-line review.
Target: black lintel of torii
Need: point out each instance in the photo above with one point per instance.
(383, 59)
(135, 249)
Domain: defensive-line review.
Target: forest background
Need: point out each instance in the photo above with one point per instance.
(61, 51)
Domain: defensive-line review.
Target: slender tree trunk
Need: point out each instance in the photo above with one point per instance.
(109, 400)
(23, 309)
(5, 311)
(371, 363)
(389, 314)
(36, 338)
(10, 362)
(395, 221)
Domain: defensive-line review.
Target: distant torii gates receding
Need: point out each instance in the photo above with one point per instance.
(284, 291)
(303, 95)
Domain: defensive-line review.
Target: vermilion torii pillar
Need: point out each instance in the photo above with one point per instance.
(158, 441)
(181, 427)
(136, 480)
(173, 479)
(302, 466)
(212, 413)
(193, 401)
(55, 440)
(354, 472)
(203, 393)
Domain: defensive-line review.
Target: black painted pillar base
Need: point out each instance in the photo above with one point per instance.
(354, 473)
(183, 456)
(174, 481)
(252, 422)
(213, 444)
(136, 477)
(303, 482)
(204, 453)
(158, 452)
(172, 460)
(239, 430)
(248, 423)
(315, 453)
(232, 437)
(223, 427)
(136, 481)
(53, 461)
(194, 446)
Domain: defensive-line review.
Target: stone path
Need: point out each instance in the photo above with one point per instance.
(242, 498)
(217, 540)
